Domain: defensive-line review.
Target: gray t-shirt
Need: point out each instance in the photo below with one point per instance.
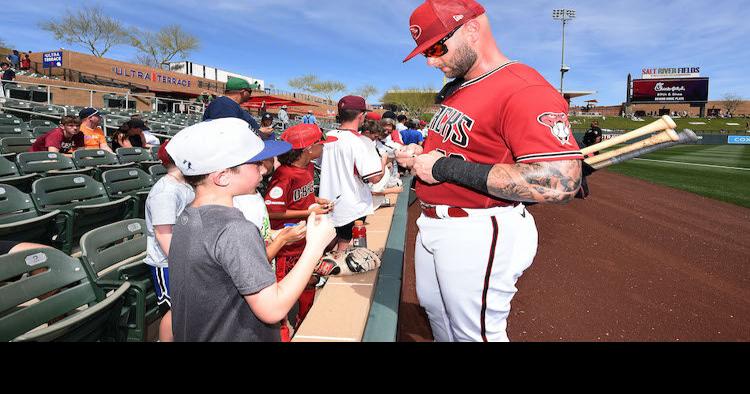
(216, 258)
(164, 204)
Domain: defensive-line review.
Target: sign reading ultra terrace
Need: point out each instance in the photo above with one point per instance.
(52, 59)
(739, 140)
(153, 77)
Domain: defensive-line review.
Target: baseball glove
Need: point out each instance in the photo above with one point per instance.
(350, 262)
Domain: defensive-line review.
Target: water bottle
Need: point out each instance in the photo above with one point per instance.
(359, 234)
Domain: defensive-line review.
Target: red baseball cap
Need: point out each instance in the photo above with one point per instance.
(434, 19)
(352, 102)
(422, 123)
(303, 135)
(163, 156)
(373, 116)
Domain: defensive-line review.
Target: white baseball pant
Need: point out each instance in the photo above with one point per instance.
(467, 269)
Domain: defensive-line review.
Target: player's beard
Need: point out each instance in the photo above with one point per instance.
(463, 61)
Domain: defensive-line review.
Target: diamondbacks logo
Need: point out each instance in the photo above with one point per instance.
(558, 124)
(416, 31)
(452, 125)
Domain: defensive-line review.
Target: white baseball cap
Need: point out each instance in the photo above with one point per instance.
(219, 144)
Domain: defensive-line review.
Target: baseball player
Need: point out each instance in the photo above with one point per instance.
(501, 137)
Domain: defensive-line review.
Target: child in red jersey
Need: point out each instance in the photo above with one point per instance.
(290, 198)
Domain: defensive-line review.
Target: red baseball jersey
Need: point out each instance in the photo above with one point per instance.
(290, 189)
(508, 115)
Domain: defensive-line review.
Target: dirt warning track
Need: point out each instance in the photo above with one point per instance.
(634, 262)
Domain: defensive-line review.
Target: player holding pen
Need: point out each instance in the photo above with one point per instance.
(500, 138)
(291, 199)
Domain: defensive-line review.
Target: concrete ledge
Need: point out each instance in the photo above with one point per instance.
(342, 307)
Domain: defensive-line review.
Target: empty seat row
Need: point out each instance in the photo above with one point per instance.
(79, 204)
(111, 261)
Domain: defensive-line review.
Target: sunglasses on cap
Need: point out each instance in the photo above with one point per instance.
(439, 48)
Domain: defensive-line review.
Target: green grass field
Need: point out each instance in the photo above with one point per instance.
(689, 172)
(581, 124)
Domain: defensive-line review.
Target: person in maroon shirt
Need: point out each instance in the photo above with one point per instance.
(291, 198)
(64, 139)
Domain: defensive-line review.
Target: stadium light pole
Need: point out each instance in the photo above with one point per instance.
(563, 15)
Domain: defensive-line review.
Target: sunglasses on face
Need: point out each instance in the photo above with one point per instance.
(439, 48)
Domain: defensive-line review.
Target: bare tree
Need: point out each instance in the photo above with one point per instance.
(416, 102)
(305, 83)
(329, 88)
(161, 47)
(88, 27)
(731, 102)
(312, 84)
(366, 91)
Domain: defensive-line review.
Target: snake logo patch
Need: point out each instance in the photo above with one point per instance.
(416, 31)
(558, 124)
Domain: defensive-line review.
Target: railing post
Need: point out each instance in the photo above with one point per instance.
(91, 98)
(49, 96)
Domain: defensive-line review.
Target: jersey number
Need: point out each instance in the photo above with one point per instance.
(453, 155)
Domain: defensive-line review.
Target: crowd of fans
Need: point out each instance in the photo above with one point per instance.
(238, 225)
(84, 132)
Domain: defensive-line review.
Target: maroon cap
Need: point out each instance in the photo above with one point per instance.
(163, 156)
(303, 135)
(353, 102)
(434, 19)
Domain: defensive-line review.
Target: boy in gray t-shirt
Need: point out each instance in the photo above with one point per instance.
(166, 201)
(223, 289)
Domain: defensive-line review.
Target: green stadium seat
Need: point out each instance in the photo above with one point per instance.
(132, 182)
(99, 159)
(10, 120)
(39, 94)
(83, 202)
(48, 164)
(20, 220)
(39, 123)
(157, 171)
(19, 315)
(19, 93)
(19, 130)
(48, 113)
(10, 146)
(136, 155)
(9, 175)
(41, 130)
(114, 254)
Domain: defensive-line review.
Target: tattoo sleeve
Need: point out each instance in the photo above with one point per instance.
(554, 182)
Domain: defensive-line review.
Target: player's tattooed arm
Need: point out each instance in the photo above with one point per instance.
(546, 182)
(553, 182)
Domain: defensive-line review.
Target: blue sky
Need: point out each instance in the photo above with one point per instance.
(359, 42)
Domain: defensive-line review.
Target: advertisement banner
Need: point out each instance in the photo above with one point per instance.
(739, 140)
(52, 59)
(689, 90)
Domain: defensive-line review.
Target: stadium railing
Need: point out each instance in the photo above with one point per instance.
(382, 324)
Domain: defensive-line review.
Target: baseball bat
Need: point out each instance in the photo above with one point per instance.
(686, 136)
(665, 122)
(666, 136)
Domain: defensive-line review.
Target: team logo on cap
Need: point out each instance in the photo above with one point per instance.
(416, 31)
(558, 124)
(458, 18)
